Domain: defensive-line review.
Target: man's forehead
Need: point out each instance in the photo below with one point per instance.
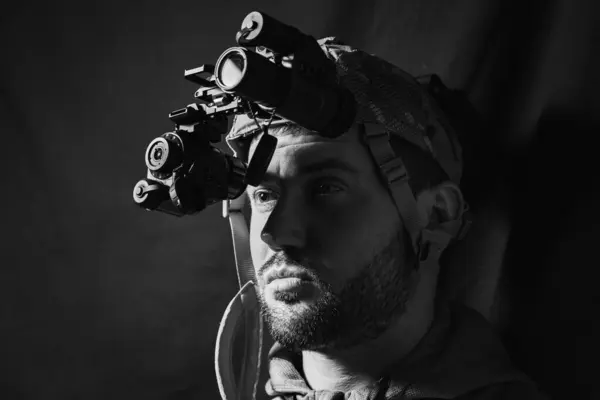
(294, 140)
(308, 152)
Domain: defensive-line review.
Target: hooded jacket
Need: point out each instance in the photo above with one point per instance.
(461, 357)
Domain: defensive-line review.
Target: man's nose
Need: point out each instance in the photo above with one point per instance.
(286, 227)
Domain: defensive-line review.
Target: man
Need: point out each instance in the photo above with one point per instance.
(345, 238)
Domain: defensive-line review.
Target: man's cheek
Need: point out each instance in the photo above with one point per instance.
(347, 264)
(258, 248)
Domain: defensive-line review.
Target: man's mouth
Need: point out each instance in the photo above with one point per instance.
(288, 284)
(287, 273)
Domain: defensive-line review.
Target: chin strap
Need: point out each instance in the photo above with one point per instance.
(428, 242)
(434, 241)
(241, 318)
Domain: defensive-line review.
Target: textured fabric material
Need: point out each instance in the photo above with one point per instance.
(385, 95)
(460, 356)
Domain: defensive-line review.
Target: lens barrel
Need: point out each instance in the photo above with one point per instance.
(164, 154)
(246, 73)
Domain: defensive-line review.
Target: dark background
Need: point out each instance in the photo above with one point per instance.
(102, 300)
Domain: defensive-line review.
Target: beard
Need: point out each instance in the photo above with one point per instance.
(364, 308)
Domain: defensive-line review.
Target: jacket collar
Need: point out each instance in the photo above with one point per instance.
(460, 353)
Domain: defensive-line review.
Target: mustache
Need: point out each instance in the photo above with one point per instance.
(303, 263)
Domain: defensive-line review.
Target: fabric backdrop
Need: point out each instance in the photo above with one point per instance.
(103, 300)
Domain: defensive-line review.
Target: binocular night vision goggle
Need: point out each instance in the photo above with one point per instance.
(275, 72)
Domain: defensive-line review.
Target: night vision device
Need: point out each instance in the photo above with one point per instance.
(275, 72)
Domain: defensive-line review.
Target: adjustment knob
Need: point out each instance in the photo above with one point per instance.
(149, 194)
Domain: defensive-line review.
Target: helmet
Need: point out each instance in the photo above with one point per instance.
(390, 103)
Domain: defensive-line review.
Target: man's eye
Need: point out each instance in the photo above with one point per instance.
(327, 189)
(264, 196)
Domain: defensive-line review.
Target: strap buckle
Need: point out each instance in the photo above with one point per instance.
(394, 170)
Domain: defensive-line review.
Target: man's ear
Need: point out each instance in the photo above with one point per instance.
(441, 203)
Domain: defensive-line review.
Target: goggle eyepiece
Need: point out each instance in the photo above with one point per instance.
(231, 69)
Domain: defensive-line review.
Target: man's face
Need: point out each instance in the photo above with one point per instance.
(322, 216)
